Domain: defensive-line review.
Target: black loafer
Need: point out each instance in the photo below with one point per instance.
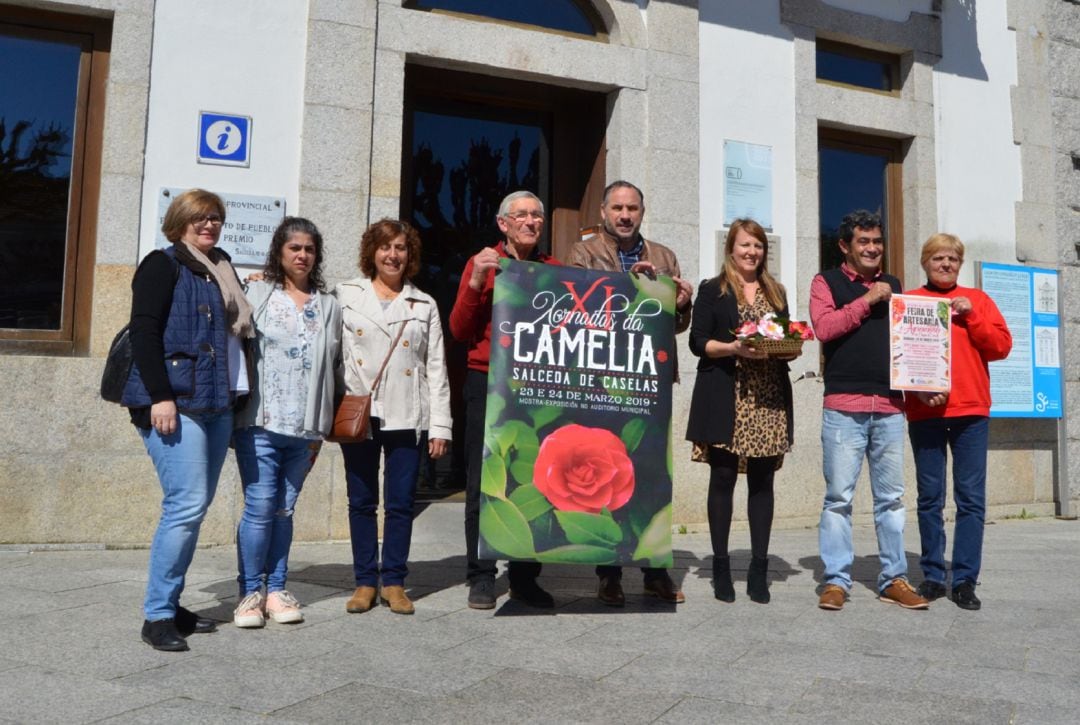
(529, 592)
(163, 635)
(931, 590)
(610, 591)
(963, 594)
(187, 622)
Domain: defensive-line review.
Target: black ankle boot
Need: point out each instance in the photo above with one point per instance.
(163, 635)
(757, 580)
(722, 587)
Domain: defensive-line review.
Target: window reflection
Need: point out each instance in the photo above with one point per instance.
(38, 90)
(555, 14)
(849, 180)
(462, 167)
(854, 66)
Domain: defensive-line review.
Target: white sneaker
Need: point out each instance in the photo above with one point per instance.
(283, 608)
(249, 612)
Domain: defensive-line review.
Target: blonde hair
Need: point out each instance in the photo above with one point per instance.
(729, 277)
(187, 207)
(938, 242)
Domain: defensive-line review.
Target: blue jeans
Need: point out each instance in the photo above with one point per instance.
(272, 470)
(402, 449)
(845, 439)
(188, 464)
(968, 437)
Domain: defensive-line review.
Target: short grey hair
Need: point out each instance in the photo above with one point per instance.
(504, 207)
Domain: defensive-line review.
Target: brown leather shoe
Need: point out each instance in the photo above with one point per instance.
(832, 597)
(394, 597)
(664, 589)
(610, 591)
(900, 592)
(362, 600)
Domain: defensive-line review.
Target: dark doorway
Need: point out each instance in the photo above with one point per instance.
(469, 140)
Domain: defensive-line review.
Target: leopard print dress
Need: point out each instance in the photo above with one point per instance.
(761, 419)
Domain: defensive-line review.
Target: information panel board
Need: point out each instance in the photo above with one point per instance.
(1027, 384)
(748, 183)
(250, 222)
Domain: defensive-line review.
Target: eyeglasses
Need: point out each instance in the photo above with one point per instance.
(520, 216)
(211, 219)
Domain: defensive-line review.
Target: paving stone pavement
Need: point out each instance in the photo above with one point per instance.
(70, 649)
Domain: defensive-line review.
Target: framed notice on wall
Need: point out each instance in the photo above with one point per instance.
(1027, 384)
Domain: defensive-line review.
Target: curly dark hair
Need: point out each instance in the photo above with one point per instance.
(382, 233)
(290, 225)
(859, 219)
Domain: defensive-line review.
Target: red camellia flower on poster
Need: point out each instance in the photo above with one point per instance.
(584, 469)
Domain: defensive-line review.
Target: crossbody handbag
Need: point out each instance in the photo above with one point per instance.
(353, 415)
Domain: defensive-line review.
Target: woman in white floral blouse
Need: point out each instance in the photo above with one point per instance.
(289, 412)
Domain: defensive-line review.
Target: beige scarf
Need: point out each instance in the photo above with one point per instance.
(237, 307)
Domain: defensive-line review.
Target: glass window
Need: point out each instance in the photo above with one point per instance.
(464, 160)
(854, 66)
(855, 172)
(38, 91)
(564, 15)
(53, 73)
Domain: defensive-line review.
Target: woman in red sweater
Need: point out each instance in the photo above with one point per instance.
(959, 420)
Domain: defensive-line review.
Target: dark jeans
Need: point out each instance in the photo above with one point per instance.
(402, 450)
(475, 412)
(968, 437)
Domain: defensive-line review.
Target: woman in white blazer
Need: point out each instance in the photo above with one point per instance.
(410, 407)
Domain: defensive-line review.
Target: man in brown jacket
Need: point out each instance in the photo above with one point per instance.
(617, 246)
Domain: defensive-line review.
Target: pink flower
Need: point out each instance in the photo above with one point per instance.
(770, 329)
(746, 329)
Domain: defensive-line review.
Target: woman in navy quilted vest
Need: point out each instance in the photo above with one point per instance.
(189, 324)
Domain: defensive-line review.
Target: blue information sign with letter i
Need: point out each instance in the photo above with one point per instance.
(224, 139)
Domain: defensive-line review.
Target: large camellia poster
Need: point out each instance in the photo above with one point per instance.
(577, 457)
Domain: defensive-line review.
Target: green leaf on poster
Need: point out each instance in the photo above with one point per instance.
(632, 433)
(524, 435)
(655, 541)
(543, 415)
(589, 529)
(495, 406)
(530, 502)
(527, 454)
(493, 476)
(515, 434)
(577, 554)
(670, 460)
(522, 472)
(505, 529)
(504, 437)
(661, 289)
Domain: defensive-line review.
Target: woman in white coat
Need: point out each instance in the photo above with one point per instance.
(410, 407)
